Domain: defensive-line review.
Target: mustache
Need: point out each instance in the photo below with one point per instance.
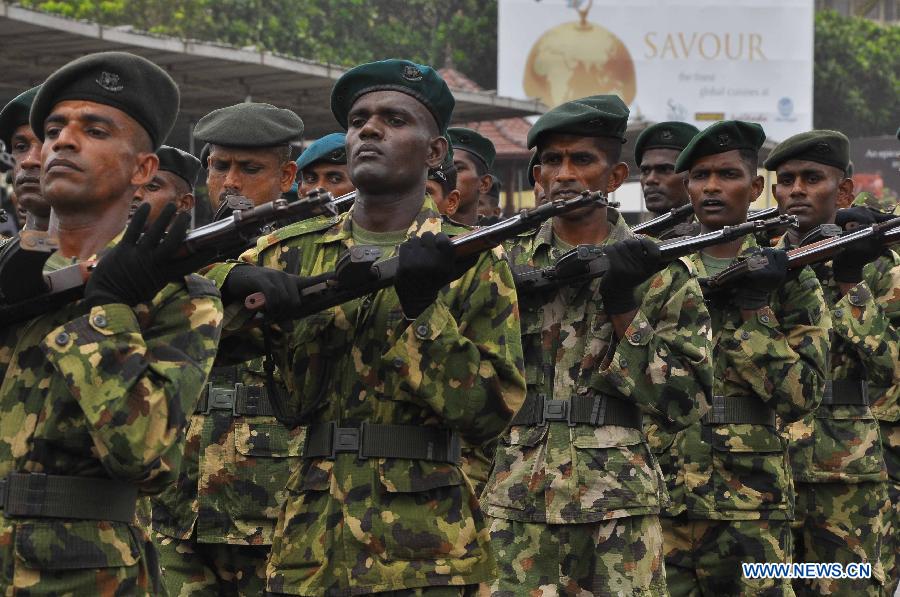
(27, 179)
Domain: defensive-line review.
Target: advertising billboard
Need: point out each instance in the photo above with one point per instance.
(696, 61)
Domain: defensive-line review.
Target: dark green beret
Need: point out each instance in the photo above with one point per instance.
(664, 135)
(124, 81)
(725, 135)
(249, 124)
(594, 116)
(473, 142)
(531, 164)
(204, 155)
(172, 159)
(831, 148)
(330, 148)
(419, 81)
(15, 114)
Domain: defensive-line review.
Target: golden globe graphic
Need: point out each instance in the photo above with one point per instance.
(578, 59)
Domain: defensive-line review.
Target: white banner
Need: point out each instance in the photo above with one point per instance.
(696, 61)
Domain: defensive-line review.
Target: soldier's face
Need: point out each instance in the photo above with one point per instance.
(722, 188)
(261, 174)
(165, 187)
(663, 189)
(810, 191)
(334, 178)
(392, 141)
(93, 156)
(25, 147)
(468, 183)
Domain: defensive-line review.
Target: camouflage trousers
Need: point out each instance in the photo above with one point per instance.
(840, 522)
(622, 556)
(890, 548)
(703, 557)
(192, 569)
(463, 591)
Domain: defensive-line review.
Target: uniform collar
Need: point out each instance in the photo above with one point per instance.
(427, 220)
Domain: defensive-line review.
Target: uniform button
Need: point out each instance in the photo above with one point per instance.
(62, 339)
(397, 363)
(422, 330)
(623, 363)
(838, 312)
(764, 319)
(635, 337)
(100, 321)
(745, 335)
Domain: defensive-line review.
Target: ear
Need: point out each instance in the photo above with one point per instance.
(616, 177)
(451, 203)
(774, 186)
(185, 202)
(146, 167)
(484, 184)
(536, 174)
(846, 192)
(288, 175)
(437, 151)
(756, 188)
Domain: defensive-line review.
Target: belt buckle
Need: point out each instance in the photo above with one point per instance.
(223, 398)
(345, 440)
(556, 410)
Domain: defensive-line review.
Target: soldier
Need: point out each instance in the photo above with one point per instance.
(95, 395)
(489, 211)
(836, 454)
(733, 496)
(575, 492)
(24, 146)
(324, 165)
(655, 152)
(388, 384)
(473, 156)
(173, 183)
(441, 185)
(214, 527)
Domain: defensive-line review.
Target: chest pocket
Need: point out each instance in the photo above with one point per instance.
(58, 545)
(750, 468)
(847, 440)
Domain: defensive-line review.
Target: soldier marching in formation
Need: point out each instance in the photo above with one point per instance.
(180, 420)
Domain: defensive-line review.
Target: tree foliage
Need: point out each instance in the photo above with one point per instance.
(857, 75)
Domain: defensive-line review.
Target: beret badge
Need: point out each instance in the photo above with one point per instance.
(411, 73)
(666, 135)
(110, 82)
(823, 148)
(723, 140)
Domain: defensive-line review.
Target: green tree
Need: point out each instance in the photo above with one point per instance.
(856, 75)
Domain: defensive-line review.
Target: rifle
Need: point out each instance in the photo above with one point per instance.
(28, 292)
(358, 271)
(660, 223)
(762, 214)
(887, 232)
(587, 262)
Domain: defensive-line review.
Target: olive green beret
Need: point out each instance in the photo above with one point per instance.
(531, 164)
(419, 81)
(130, 83)
(886, 204)
(830, 148)
(330, 148)
(474, 143)
(15, 114)
(664, 135)
(204, 155)
(723, 136)
(594, 116)
(249, 124)
(172, 159)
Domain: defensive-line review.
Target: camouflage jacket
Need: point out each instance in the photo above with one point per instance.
(355, 526)
(740, 471)
(840, 442)
(234, 474)
(106, 393)
(559, 474)
(883, 277)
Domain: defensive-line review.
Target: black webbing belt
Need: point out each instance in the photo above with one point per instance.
(371, 440)
(594, 410)
(846, 391)
(36, 495)
(739, 409)
(241, 400)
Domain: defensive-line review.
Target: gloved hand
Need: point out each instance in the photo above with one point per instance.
(141, 265)
(851, 218)
(754, 289)
(427, 263)
(848, 266)
(631, 262)
(282, 290)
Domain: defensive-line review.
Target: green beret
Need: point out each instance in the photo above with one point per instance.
(823, 147)
(130, 83)
(664, 135)
(172, 159)
(723, 136)
(204, 155)
(330, 148)
(473, 142)
(15, 114)
(531, 164)
(886, 204)
(594, 116)
(419, 81)
(249, 124)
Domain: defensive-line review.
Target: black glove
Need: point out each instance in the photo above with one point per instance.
(848, 266)
(141, 265)
(851, 218)
(427, 263)
(631, 262)
(754, 289)
(282, 290)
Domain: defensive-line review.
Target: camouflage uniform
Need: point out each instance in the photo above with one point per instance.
(214, 526)
(575, 507)
(352, 526)
(102, 394)
(734, 496)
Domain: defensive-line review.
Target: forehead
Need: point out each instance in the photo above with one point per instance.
(720, 161)
(82, 109)
(324, 168)
(466, 157)
(166, 177)
(24, 131)
(242, 154)
(795, 166)
(570, 143)
(658, 156)
(386, 100)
